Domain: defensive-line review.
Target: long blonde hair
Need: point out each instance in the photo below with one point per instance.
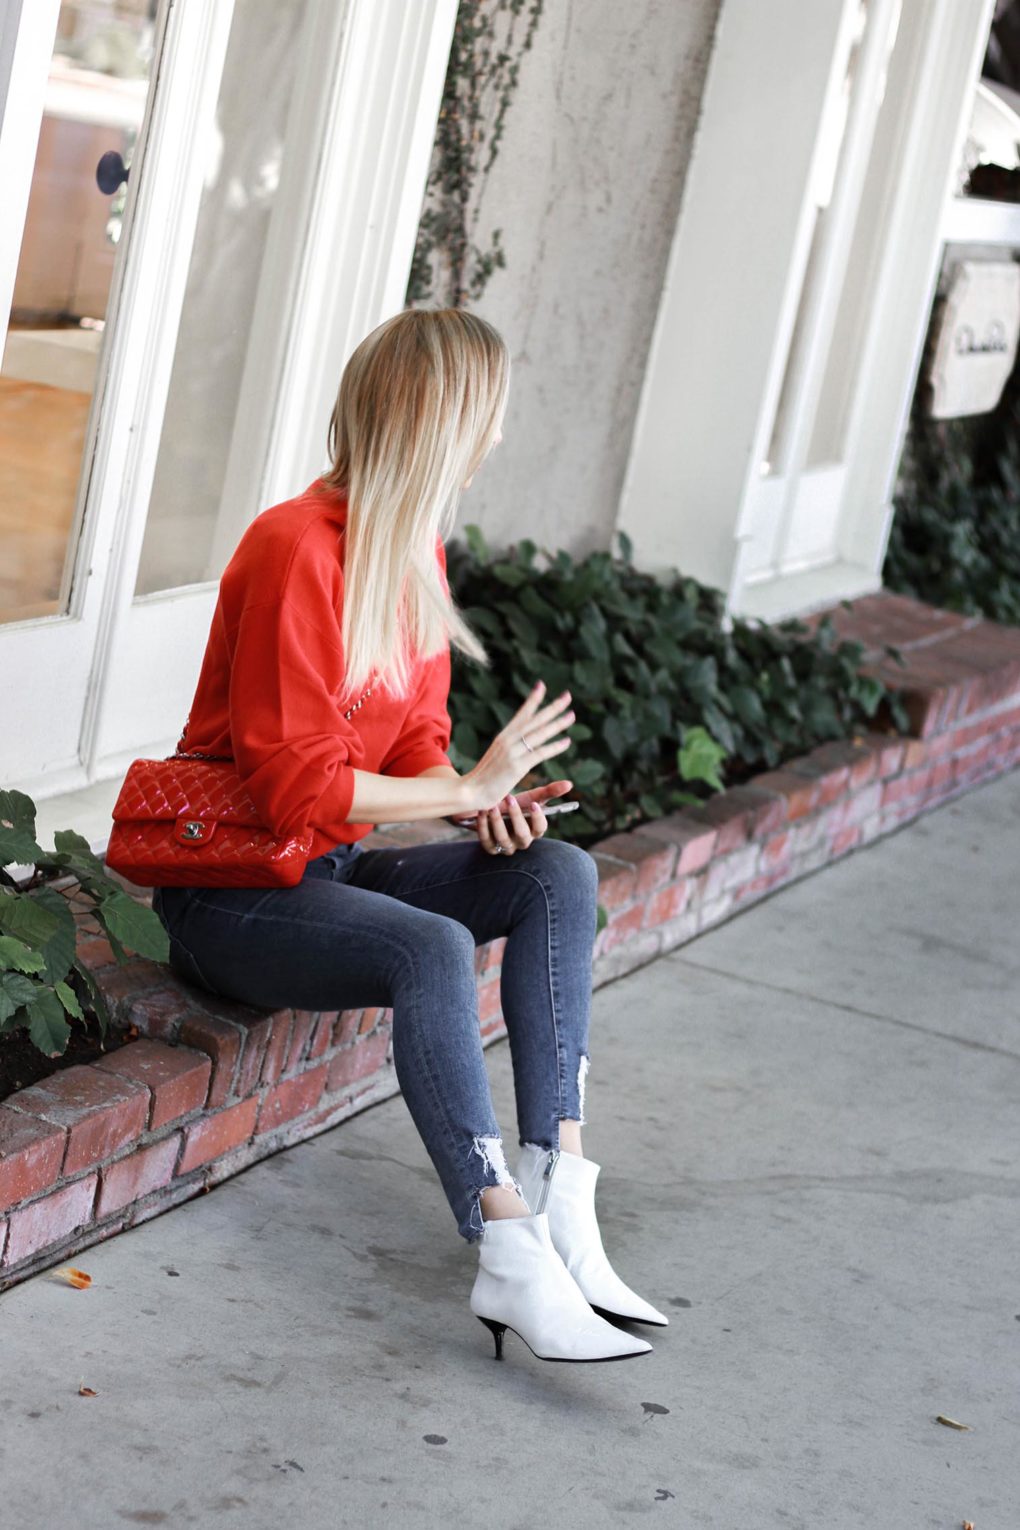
(420, 402)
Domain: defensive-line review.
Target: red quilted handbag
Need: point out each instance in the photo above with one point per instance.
(181, 822)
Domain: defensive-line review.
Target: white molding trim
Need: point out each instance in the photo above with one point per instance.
(798, 593)
(975, 220)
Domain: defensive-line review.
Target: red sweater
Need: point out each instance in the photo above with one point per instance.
(272, 672)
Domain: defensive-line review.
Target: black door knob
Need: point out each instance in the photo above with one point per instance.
(111, 172)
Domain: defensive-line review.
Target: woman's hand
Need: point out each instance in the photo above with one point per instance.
(527, 821)
(518, 748)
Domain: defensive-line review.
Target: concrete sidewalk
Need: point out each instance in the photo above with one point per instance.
(809, 1126)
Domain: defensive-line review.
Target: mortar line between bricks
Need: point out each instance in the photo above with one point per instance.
(849, 1009)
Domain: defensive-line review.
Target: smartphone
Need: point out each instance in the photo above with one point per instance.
(548, 808)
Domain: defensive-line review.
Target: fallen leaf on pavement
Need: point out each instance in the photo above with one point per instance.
(73, 1277)
(940, 1418)
(84, 1391)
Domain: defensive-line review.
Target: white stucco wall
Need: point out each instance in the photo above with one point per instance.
(586, 190)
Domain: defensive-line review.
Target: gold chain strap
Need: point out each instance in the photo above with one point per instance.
(196, 754)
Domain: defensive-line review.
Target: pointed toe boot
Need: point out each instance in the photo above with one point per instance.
(561, 1185)
(522, 1284)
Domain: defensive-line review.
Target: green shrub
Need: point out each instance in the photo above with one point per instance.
(647, 662)
(955, 537)
(42, 979)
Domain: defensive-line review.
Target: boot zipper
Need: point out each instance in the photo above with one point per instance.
(547, 1174)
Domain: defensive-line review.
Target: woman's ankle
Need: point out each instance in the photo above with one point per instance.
(502, 1201)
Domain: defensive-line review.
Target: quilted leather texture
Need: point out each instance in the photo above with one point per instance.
(155, 789)
(189, 823)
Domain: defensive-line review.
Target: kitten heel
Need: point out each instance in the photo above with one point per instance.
(497, 1330)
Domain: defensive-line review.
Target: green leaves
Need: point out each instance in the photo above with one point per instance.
(955, 535)
(47, 1026)
(15, 991)
(18, 957)
(17, 830)
(42, 980)
(748, 705)
(664, 698)
(43, 922)
(700, 757)
(134, 926)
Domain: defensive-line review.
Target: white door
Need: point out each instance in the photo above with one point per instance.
(276, 174)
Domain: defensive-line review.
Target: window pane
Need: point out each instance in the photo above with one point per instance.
(95, 99)
(242, 184)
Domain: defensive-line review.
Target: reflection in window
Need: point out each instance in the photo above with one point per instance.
(826, 167)
(200, 436)
(95, 98)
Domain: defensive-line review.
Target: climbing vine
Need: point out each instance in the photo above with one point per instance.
(448, 267)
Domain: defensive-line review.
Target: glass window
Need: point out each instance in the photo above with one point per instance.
(243, 178)
(95, 98)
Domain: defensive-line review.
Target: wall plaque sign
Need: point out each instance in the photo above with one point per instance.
(977, 342)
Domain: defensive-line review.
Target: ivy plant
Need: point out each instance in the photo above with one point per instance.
(955, 538)
(662, 693)
(481, 76)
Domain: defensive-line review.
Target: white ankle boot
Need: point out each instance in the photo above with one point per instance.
(523, 1284)
(562, 1186)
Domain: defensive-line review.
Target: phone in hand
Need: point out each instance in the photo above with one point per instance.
(548, 808)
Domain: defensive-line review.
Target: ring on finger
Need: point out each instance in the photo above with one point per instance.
(499, 836)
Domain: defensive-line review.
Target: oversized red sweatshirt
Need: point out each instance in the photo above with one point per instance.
(272, 674)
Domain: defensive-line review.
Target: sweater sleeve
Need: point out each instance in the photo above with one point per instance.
(425, 736)
(292, 744)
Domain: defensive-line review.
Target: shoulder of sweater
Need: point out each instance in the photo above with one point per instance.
(288, 546)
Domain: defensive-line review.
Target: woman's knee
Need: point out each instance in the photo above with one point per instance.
(566, 865)
(445, 944)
